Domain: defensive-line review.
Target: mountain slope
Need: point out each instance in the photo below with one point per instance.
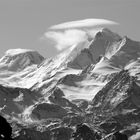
(18, 59)
(95, 81)
(118, 102)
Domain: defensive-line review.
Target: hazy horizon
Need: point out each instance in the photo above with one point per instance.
(24, 22)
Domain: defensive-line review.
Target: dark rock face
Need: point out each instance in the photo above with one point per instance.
(31, 134)
(58, 98)
(59, 133)
(83, 104)
(110, 125)
(58, 93)
(84, 132)
(117, 92)
(117, 105)
(15, 99)
(5, 129)
(46, 110)
(119, 136)
(73, 120)
(70, 80)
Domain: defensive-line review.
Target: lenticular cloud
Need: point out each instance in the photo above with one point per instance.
(84, 23)
(70, 33)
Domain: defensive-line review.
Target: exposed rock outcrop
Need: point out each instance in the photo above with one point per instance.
(46, 110)
(5, 129)
(58, 97)
(15, 100)
(118, 103)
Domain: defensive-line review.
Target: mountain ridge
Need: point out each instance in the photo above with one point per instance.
(95, 82)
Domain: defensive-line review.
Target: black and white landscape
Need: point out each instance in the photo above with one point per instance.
(95, 82)
(69, 70)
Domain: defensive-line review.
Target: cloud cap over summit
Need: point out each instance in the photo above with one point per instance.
(67, 34)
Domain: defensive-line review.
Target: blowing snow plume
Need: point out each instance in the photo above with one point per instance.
(70, 33)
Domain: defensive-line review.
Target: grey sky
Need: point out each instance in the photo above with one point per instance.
(23, 22)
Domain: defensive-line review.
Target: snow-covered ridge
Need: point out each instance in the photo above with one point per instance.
(18, 51)
(28, 69)
(19, 59)
(91, 52)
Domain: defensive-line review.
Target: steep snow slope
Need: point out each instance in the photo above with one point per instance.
(128, 51)
(97, 48)
(120, 55)
(105, 66)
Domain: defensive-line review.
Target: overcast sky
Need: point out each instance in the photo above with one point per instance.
(24, 22)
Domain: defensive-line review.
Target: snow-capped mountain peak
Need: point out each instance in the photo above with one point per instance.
(18, 59)
(96, 79)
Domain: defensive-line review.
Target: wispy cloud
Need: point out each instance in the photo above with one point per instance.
(70, 33)
(84, 23)
(66, 38)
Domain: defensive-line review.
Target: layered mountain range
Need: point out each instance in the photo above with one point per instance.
(96, 82)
